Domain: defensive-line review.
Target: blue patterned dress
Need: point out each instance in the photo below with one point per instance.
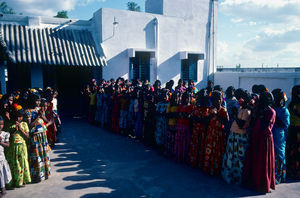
(280, 131)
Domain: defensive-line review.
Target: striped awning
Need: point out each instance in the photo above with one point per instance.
(50, 46)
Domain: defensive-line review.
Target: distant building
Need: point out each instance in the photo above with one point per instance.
(272, 78)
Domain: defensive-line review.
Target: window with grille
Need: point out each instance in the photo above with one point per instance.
(139, 66)
(189, 68)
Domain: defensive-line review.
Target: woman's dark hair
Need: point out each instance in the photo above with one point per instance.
(202, 98)
(266, 99)
(295, 93)
(295, 98)
(217, 88)
(185, 96)
(32, 98)
(239, 93)
(279, 96)
(175, 95)
(255, 89)
(216, 95)
(261, 89)
(230, 92)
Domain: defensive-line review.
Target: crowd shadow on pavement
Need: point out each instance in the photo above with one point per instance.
(108, 165)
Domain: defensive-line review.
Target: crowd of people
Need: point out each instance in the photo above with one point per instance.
(28, 126)
(244, 137)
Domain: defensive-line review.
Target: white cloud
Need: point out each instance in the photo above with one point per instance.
(252, 23)
(271, 40)
(238, 20)
(274, 11)
(276, 30)
(46, 7)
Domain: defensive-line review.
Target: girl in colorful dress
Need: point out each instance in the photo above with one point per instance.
(200, 119)
(215, 143)
(17, 153)
(293, 140)
(280, 131)
(161, 120)
(172, 116)
(259, 168)
(183, 133)
(5, 174)
(233, 161)
(39, 149)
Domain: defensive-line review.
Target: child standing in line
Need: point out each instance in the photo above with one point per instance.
(17, 153)
(5, 174)
(172, 115)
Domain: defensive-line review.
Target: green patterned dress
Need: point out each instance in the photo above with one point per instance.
(17, 156)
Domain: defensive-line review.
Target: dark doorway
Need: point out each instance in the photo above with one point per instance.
(18, 77)
(139, 67)
(68, 81)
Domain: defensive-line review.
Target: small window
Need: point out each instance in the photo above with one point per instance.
(189, 68)
(139, 66)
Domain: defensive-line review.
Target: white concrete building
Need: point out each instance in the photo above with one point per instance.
(173, 39)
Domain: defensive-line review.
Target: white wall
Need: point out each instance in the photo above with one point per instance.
(136, 30)
(245, 80)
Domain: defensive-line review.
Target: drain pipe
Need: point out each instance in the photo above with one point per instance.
(156, 25)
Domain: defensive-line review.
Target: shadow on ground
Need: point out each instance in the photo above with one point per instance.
(110, 165)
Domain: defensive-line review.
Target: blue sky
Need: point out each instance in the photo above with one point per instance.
(250, 32)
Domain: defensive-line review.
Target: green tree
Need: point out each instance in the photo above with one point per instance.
(133, 6)
(5, 9)
(62, 14)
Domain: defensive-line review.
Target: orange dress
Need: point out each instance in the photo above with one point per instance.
(215, 143)
(197, 146)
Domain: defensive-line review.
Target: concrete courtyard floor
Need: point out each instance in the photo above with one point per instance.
(90, 162)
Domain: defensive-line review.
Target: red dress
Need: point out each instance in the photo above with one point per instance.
(215, 143)
(183, 134)
(197, 146)
(51, 129)
(259, 170)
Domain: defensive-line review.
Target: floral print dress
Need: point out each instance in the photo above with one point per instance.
(17, 156)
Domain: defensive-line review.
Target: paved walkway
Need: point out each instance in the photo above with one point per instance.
(90, 162)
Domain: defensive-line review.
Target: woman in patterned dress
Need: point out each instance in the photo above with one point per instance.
(17, 155)
(293, 140)
(200, 118)
(216, 136)
(39, 149)
(233, 161)
(280, 131)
